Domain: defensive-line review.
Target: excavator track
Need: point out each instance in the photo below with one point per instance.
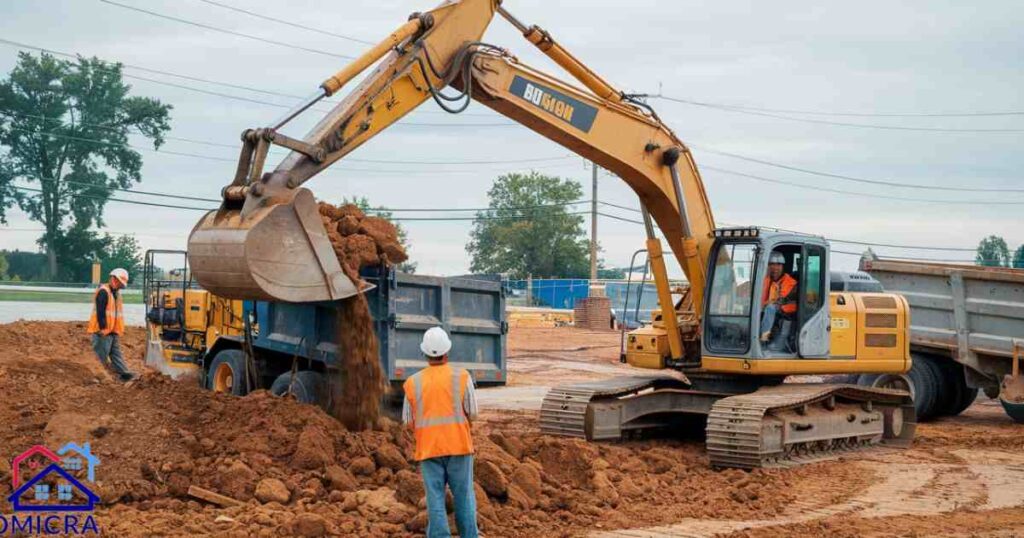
(564, 409)
(791, 424)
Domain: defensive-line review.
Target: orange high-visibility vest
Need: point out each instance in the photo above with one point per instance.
(114, 314)
(441, 427)
(779, 291)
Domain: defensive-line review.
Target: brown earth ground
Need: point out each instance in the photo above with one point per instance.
(300, 473)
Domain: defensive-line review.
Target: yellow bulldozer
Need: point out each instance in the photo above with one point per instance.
(731, 335)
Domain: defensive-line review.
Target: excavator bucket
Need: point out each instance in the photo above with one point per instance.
(279, 252)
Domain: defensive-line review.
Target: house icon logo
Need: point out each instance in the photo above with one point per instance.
(45, 481)
(66, 492)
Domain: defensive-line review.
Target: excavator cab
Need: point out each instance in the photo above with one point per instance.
(756, 311)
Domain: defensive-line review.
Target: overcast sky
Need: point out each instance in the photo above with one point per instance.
(872, 57)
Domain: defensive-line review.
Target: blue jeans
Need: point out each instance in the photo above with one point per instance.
(108, 351)
(457, 473)
(779, 340)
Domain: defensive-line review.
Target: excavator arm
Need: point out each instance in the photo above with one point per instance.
(263, 242)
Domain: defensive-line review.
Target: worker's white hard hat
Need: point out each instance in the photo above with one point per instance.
(435, 342)
(776, 257)
(120, 274)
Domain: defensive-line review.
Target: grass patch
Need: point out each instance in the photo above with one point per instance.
(57, 297)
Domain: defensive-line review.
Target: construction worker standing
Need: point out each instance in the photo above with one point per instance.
(439, 405)
(107, 324)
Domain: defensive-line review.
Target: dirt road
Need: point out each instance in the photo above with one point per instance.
(299, 473)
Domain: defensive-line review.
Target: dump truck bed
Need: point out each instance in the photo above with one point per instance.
(970, 313)
(403, 306)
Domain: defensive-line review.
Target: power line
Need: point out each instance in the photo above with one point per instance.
(111, 232)
(632, 221)
(350, 159)
(842, 123)
(133, 191)
(229, 32)
(853, 178)
(226, 159)
(288, 23)
(121, 200)
(854, 193)
(602, 202)
(398, 219)
(18, 44)
(833, 239)
(861, 255)
(849, 114)
(260, 101)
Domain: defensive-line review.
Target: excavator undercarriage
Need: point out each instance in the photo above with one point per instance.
(775, 425)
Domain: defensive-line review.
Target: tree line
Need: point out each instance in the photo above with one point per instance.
(994, 252)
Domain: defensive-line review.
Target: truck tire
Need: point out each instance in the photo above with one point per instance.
(927, 381)
(967, 398)
(309, 387)
(953, 387)
(227, 372)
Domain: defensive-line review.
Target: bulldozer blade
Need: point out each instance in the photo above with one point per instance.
(277, 253)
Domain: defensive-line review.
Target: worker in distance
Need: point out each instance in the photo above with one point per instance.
(106, 324)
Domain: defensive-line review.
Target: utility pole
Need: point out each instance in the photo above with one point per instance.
(593, 226)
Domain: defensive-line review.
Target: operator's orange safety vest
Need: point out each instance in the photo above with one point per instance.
(441, 427)
(114, 314)
(780, 291)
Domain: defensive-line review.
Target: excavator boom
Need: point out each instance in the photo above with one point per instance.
(236, 252)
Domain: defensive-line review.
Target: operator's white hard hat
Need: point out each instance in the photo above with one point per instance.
(776, 257)
(435, 342)
(120, 274)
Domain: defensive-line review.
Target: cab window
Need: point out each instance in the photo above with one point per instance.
(727, 323)
(813, 279)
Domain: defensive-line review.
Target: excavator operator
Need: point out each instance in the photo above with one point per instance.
(778, 303)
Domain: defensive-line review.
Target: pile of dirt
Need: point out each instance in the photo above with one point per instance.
(361, 240)
(300, 472)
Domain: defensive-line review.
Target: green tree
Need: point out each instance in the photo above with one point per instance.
(993, 252)
(77, 247)
(1018, 258)
(3, 266)
(64, 126)
(528, 230)
(363, 203)
(124, 252)
(25, 265)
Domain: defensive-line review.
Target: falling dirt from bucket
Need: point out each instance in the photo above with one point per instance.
(359, 241)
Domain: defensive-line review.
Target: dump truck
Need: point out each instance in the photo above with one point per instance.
(191, 331)
(966, 333)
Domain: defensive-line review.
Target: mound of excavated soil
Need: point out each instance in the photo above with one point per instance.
(299, 472)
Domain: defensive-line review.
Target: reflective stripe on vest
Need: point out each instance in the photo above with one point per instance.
(458, 415)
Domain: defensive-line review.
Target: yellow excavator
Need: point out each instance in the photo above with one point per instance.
(267, 242)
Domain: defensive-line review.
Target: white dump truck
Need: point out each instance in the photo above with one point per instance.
(967, 333)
